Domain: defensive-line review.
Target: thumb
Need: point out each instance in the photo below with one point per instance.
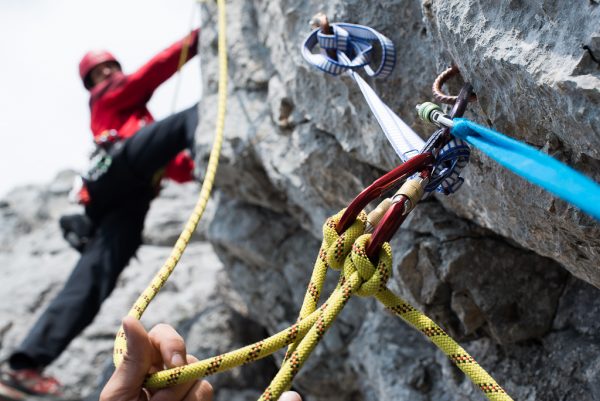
(126, 382)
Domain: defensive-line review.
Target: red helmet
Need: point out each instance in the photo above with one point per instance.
(92, 59)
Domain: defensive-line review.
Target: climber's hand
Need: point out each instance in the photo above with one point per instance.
(147, 353)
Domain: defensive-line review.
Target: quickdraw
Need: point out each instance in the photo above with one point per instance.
(347, 48)
(364, 259)
(365, 269)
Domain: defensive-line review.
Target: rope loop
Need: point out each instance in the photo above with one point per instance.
(374, 278)
(353, 45)
(336, 247)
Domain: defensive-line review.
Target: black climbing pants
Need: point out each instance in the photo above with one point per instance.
(119, 202)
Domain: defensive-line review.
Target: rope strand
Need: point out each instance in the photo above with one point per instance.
(165, 271)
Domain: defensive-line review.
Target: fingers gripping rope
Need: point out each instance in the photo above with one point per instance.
(346, 252)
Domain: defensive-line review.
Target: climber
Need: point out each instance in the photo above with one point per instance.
(133, 153)
(161, 346)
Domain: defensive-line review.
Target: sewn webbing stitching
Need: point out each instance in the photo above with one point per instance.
(353, 45)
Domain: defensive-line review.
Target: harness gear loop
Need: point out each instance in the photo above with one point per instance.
(441, 79)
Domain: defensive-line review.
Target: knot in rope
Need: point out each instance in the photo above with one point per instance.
(353, 45)
(336, 247)
(449, 163)
(374, 278)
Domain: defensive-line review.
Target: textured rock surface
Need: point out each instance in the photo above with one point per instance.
(488, 264)
(36, 261)
(508, 270)
(537, 84)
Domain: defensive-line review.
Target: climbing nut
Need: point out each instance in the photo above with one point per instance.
(374, 278)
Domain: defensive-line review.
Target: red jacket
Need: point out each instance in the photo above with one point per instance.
(119, 102)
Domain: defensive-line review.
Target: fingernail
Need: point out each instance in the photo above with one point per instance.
(289, 396)
(177, 360)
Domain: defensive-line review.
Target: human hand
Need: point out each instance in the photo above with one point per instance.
(148, 353)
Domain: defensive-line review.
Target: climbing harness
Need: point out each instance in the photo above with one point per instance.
(106, 146)
(108, 142)
(522, 159)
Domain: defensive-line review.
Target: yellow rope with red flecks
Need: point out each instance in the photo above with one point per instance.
(345, 252)
(358, 276)
(165, 271)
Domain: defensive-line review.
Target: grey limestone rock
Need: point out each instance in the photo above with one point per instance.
(506, 268)
(491, 264)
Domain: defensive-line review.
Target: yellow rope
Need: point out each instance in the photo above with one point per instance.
(358, 276)
(165, 271)
(345, 252)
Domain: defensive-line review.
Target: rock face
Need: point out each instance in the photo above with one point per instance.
(497, 264)
(508, 270)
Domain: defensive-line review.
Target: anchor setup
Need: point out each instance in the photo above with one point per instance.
(356, 243)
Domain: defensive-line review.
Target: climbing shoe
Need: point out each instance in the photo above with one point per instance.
(8, 393)
(16, 385)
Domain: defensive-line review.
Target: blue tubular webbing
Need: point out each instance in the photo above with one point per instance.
(533, 165)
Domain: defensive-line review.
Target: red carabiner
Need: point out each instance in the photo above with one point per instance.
(390, 222)
(373, 191)
(396, 215)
